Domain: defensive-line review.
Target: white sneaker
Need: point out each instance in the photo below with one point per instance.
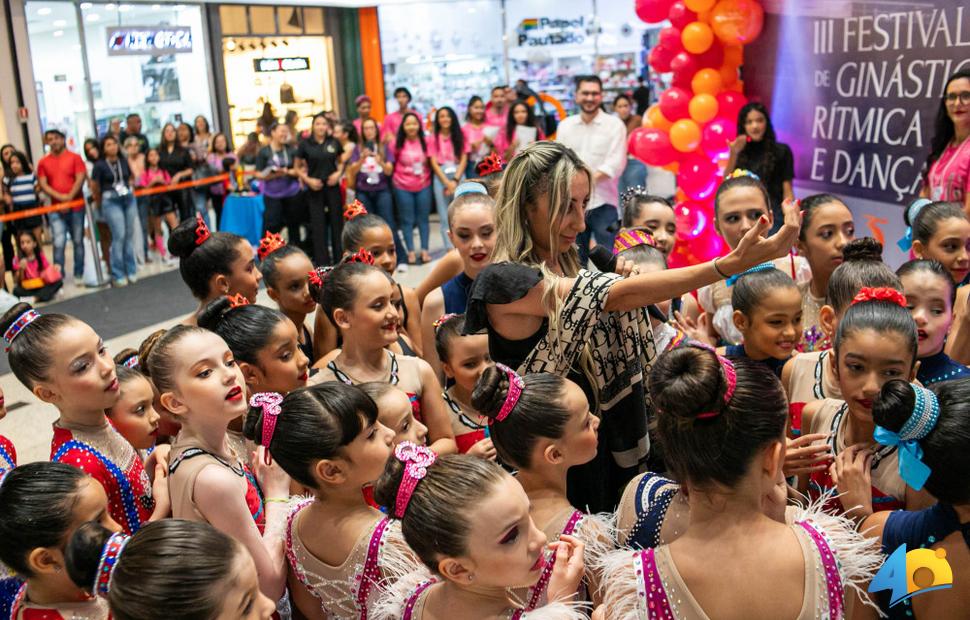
(132, 279)
(402, 268)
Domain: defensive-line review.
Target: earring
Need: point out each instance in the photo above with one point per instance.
(470, 577)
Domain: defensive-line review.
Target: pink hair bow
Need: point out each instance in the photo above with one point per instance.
(269, 402)
(417, 459)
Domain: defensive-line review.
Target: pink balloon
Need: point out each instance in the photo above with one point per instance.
(697, 176)
(729, 103)
(716, 136)
(651, 146)
(660, 58)
(670, 38)
(708, 244)
(675, 103)
(684, 67)
(680, 15)
(713, 58)
(691, 219)
(653, 11)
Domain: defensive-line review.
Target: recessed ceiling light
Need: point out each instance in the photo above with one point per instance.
(85, 6)
(60, 23)
(93, 17)
(44, 10)
(110, 6)
(58, 33)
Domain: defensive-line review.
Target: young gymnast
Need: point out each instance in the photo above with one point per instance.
(471, 221)
(213, 264)
(469, 523)
(394, 411)
(827, 226)
(653, 214)
(930, 292)
(541, 425)
(464, 359)
(40, 506)
(201, 384)
(264, 342)
(342, 553)
(8, 454)
(728, 461)
(286, 272)
(80, 381)
(134, 415)
(357, 298)
(171, 570)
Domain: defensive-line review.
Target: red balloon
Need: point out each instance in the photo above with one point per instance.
(730, 103)
(691, 219)
(653, 11)
(697, 176)
(684, 67)
(708, 244)
(660, 58)
(675, 103)
(680, 15)
(716, 136)
(651, 146)
(670, 38)
(713, 58)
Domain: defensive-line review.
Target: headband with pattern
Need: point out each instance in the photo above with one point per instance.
(269, 244)
(922, 420)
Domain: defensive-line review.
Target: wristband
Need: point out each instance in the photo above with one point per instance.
(723, 275)
(276, 500)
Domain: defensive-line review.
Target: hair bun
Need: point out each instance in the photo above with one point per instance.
(181, 241)
(893, 405)
(862, 249)
(83, 554)
(210, 316)
(687, 381)
(386, 486)
(490, 392)
(12, 315)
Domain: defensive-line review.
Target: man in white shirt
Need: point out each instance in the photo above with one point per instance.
(600, 141)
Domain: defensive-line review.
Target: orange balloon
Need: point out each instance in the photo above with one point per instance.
(738, 87)
(729, 75)
(736, 22)
(700, 5)
(657, 119)
(697, 37)
(704, 17)
(685, 135)
(734, 55)
(703, 108)
(706, 81)
(645, 122)
(681, 195)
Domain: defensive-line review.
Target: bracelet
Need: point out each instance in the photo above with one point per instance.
(718, 270)
(277, 500)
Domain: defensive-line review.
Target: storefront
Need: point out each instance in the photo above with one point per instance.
(465, 47)
(96, 62)
(277, 55)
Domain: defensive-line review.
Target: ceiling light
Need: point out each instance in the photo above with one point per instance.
(230, 45)
(93, 17)
(60, 23)
(85, 6)
(44, 10)
(58, 33)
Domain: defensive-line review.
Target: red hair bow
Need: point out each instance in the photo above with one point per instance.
(490, 165)
(354, 209)
(318, 275)
(269, 244)
(879, 293)
(237, 300)
(201, 230)
(362, 256)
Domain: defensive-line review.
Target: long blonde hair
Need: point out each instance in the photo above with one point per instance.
(541, 168)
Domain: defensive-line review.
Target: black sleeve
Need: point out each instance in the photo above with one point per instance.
(786, 166)
(301, 151)
(262, 158)
(98, 174)
(499, 283)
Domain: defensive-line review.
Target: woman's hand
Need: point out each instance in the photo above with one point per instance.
(695, 330)
(272, 479)
(333, 179)
(163, 504)
(754, 249)
(626, 267)
(804, 456)
(738, 144)
(567, 570)
(450, 187)
(852, 477)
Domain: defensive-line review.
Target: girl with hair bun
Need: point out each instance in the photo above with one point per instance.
(8, 454)
(213, 264)
(933, 426)
(357, 297)
(395, 412)
(81, 382)
(875, 342)
(286, 272)
(929, 296)
(264, 343)
(134, 415)
(541, 425)
(201, 384)
(827, 226)
(170, 570)
(342, 553)
(468, 521)
(722, 425)
(40, 506)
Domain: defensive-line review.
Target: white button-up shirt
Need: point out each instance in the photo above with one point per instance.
(601, 144)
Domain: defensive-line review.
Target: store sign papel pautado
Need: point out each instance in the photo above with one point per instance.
(151, 40)
(543, 31)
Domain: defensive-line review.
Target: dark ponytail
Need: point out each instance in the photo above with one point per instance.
(862, 266)
(247, 329)
(945, 446)
(539, 413)
(169, 570)
(31, 352)
(198, 263)
(36, 510)
(927, 219)
(706, 441)
(269, 266)
(436, 522)
(315, 423)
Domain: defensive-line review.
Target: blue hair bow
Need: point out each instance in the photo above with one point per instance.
(906, 243)
(926, 412)
(731, 281)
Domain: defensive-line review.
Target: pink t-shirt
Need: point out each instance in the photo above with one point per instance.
(357, 124)
(148, 176)
(502, 142)
(950, 174)
(442, 149)
(412, 172)
(391, 122)
(496, 119)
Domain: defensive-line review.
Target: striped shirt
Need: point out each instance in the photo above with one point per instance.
(22, 191)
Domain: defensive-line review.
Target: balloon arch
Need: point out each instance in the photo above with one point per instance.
(690, 130)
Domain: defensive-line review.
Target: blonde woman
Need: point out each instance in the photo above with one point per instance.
(543, 313)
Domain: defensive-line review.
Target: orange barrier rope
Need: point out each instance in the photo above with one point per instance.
(146, 191)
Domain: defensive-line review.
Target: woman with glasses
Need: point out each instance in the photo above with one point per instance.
(948, 165)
